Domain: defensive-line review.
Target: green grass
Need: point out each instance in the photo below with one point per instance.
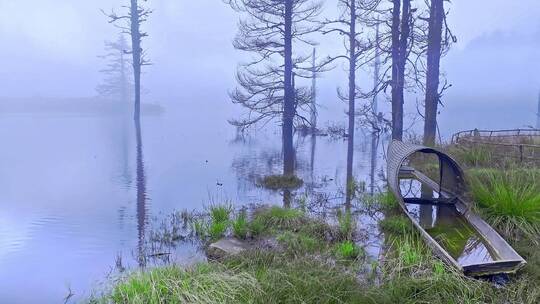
(396, 225)
(299, 243)
(510, 199)
(217, 230)
(307, 271)
(471, 157)
(345, 225)
(240, 225)
(348, 250)
(279, 182)
(220, 213)
(384, 201)
(206, 283)
(277, 218)
(299, 280)
(216, 225)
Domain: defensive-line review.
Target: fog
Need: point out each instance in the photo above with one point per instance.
(78, 189)
(51, 48)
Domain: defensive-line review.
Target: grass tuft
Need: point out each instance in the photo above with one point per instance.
(396, 225)
(348, 250)
(279, 182)
(299, 243)
(240, 225)
(220, 213)
(345, 225)
(280, 218)
(510, 199)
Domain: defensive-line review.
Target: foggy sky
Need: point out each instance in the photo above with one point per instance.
(50, 48)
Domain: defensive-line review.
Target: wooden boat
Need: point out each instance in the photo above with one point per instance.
(442, 214)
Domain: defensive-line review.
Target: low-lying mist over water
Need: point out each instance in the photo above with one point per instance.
(82, 183)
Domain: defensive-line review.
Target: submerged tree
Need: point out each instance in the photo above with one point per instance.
(130, 23)
(356, 56)
(437, 45)
(267, 83)
(538, 114)
(117, 82)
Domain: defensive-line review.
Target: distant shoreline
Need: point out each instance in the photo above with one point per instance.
(96, 105)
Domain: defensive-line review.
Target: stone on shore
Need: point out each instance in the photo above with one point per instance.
(226, 247)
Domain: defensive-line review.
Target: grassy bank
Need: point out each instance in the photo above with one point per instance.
(319, 263)
(312, 261)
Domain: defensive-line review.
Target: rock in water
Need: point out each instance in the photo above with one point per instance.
(225, 247)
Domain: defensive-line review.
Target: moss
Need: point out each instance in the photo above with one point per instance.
(279, 182)
(453, 237)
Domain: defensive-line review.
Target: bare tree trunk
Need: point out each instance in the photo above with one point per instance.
(313, 119)
(137, 54)
(436, 18)
(123, 79)
(141, 194)
(352, 99)
(397, 94)
(400, 38)
(376, 74)
(288, 106)
(538, 114)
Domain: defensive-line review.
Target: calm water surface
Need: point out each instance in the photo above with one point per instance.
(69, 200)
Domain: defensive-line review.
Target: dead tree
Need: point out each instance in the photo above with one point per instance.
(538, 114)
(401, 29)
(314, 112)
(437, 46)
(270, 31)
(130, 23)
(357, 49)
(117, 82)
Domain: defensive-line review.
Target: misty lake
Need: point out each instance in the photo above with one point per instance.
(71, 201)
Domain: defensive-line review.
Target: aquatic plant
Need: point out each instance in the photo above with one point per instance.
(383, 201)
(453, 236)
(240, 225)
(217, 230)
(220, 213)
(200, 228)
(510, 199)
(279, 182)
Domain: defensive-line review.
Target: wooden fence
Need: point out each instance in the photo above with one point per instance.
(522, 144)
